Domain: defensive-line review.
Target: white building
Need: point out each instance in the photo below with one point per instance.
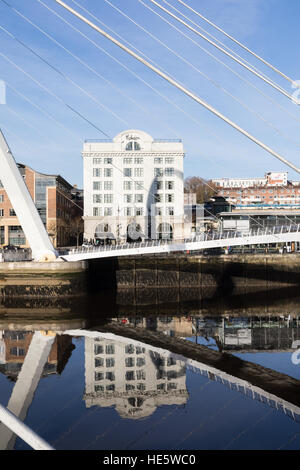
(130, 378)
(133, 187)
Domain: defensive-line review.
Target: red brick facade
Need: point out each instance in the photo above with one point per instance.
(63, 215)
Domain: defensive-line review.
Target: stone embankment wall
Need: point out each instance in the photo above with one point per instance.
(42, 280)
(197, 272)
(175, 277)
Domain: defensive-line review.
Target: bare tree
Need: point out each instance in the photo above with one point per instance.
(204, 189)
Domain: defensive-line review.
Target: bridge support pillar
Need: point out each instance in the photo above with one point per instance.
(26, 211)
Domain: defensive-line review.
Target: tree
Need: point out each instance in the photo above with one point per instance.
(204, 189)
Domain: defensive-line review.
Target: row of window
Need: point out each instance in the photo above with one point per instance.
(132, 211)
(106, 198)
(11, 213)
(107, 185)
(160, 197)
(129, 375)
(128, 185)
(129, 362)
(110, 349)
(111, 387)
(99, 212)
(253, 191)
(135, 160)
(130, 172)
(141, 386)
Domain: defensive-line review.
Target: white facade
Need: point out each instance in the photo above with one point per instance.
(133, 180)
(130, 378)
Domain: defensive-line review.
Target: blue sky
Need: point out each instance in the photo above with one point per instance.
(44, 133)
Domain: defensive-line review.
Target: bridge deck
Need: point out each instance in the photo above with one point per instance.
(269, 235)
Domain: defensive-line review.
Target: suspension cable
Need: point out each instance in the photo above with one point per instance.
(267, 80)
(271, 100)
(216, 84)
(240, 44)
(177, 85)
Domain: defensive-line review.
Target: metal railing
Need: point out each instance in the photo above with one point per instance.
(204, 237)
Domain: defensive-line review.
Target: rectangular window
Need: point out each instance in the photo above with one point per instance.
(110, 349)
(158, 198)
(1, 197)
(169, 185)
(129, 375)
(108, 185)
(98, 349)
(110, 388)
(110, 376)
(97, 185)
(139, 211)
(12, 213)
(97, 173)
(108, 198)
(138, 161)
(107, 211)
(97, 161)
(140, 362)
(108, 172)
(110, 362)
(158, 185)
(97, 198)
(158, 211)
(99, 362)
(139, 172)
(99, 376)
(139, 198)
(127, 185)
(140, 375)
(129, 361)
(127, 211)
(129, 349)
(139, 185)
(1, 212)
(158, 172)
(129, 387)
(127, 172)
(169, 160)
(97, 211)
(127, 161)
(169, 171)
(128, 198)
(158, 161)
(107, 161)
(169, 210)
(2, 238)
(169, 197)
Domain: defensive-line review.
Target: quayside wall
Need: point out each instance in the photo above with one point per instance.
(190, 275)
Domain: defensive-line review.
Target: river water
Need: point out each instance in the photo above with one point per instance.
(81, 384)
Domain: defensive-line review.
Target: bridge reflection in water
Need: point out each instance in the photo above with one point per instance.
(138, 364)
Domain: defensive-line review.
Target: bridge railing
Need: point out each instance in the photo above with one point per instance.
(203, 237)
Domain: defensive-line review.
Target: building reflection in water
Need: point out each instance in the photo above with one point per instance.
(235, 334)
(132, 379)
(130, 376)
(14, 346)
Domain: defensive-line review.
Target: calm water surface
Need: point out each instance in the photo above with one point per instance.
(98, 391)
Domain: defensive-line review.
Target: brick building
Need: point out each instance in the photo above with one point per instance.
(59, 204)
(275, 190)
(14, 346)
